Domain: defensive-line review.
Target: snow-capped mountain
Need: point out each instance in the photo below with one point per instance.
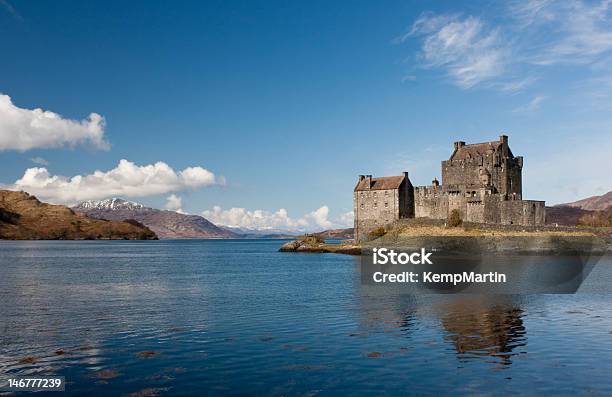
(166, 224)
(109, 204)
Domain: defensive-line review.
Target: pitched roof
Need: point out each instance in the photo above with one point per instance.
(475, 150)
(381, 183)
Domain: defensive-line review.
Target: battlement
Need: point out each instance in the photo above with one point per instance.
(483, 181)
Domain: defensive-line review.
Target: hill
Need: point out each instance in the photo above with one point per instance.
(166, 224)
(340, 234)
(564, 215)
(24, 217)
(594, 203)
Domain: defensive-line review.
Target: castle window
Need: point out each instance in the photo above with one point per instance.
(375, 204)
(387, 204)
(362, 206)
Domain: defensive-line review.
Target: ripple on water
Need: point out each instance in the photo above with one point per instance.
(237, 317)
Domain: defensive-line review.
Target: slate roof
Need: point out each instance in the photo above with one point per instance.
(381, 183)
(476, 150)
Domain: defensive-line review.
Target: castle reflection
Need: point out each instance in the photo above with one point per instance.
(477, 329)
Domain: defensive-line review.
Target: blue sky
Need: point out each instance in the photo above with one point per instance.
(263, 113)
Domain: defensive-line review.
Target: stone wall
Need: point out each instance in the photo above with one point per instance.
(458, 173)
(475, 212)
(375, 208)
(430, 202)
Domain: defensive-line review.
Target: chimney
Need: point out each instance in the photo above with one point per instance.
(405, 174)
(435, 182)
(459, 144)
(503, 139)
(368, 179)
(361, 178)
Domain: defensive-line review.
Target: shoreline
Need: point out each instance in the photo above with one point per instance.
(470, 238)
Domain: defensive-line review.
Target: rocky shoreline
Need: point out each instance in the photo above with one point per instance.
(315, 244)
(525, 244)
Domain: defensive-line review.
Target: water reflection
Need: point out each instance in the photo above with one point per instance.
(479, 329)
(240, 318)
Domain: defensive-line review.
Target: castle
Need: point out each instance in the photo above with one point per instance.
(483, 181)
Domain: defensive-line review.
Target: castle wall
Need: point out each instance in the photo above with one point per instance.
(457, 201)
(457, 173)
(430, 202)
(475, 212)
(374, 208)
(406, 199)
(513, 177)
(523, 212)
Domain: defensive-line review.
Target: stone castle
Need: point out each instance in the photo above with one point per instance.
(483, 181)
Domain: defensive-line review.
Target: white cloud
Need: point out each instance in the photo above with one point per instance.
(531, 106)
(24, 129)
(125, 180)
(279, 220)
(470, 52)
(318, 217)
(346, 219)
(174, 203)
(502, 51)
(39, 161)
(576, 31)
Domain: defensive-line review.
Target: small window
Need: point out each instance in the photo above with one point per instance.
(362, 206)
(375, 204)
(387, 205)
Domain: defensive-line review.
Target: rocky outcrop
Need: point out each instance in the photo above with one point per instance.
(316, 244)
(340, 234)
(24, 217)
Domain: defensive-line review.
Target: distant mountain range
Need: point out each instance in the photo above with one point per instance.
(594, 203)
(166, 224)
(244, 232)
(570, 213)
(24, 217)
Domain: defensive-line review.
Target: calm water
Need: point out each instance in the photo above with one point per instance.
(238, 318)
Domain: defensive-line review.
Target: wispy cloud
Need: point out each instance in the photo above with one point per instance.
(501, 52)
(470, 51)
(572, 31)
(531, 106)
(39, 161)
(11, 10)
